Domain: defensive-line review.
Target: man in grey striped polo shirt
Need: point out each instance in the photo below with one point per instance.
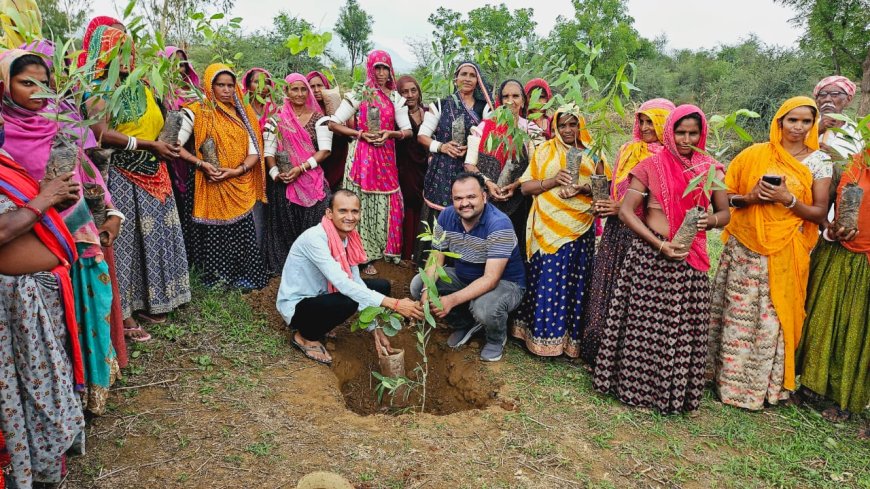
(489, 278)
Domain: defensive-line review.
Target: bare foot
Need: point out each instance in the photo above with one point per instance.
(836, 415)
(370, 270)
(864, 433)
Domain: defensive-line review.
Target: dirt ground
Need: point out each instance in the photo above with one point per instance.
(220, 400)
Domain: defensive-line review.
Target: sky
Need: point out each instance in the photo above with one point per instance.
(688, 24)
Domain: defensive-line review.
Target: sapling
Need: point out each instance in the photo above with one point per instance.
(391, 323)
(851, 195)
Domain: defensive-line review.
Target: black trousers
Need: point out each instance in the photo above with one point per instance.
(316, 316)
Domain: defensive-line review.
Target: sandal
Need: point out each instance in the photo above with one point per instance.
(370, 270)
(152, 319)
(137, 334)
(307, 350)
(836, 415)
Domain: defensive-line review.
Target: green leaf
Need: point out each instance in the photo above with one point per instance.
(442, 275)
(451, 254)
(395, 323)
(742, 133)
(370, 313)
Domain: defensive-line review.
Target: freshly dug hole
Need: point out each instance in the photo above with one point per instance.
(457, 378)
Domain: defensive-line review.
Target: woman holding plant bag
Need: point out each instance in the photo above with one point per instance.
(150, 257)
(228, 181)
(649, 126)
(833, 353)
(371, 170)
(296, 188)
(560, 242)
(654, 344)
(36, 142)
(780, 193)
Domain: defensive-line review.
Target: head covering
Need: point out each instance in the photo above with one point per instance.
(775, 231)
(95, 23)
(28, 14)
(633, 152)
(408, 78)
(312, 74)
(191, 77)
(482, 91)
(499, 100)
(840, 82)
(230, 126)
(538, 83)
(306, 190)
(375, 58)
(555, 221)
(43, 47)
(667, 174)
(99, 50)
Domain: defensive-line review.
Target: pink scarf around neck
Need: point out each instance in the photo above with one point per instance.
(347, 257)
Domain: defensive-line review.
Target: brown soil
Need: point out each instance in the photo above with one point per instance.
(456, 380)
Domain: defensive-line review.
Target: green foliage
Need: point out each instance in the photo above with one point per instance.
(354, 26)
(218, 37)
(602, 23)
(62, 18)
(171, 17)
(835, 30)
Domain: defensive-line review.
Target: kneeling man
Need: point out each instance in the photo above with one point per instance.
(321, 285)
(488, 280)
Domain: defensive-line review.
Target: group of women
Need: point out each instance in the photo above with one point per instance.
(88, 255)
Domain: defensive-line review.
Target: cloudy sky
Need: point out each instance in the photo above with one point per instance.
(689, 24)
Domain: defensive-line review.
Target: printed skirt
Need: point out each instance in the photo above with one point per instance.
(549, 316)
(654, 344)
(747, 351)
(834, 354)
(285, 221)
(227, 255)
(42, 416)
(149, 253)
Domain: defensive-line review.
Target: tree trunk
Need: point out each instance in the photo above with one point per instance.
(864, 106)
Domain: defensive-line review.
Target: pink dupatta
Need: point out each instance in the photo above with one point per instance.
(307, 190)
(667, 174)
(348, 257)
(374, 168)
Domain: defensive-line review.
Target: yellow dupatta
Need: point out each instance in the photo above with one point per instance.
(633, 152)
(773, 231)
(554, 221)
(229, 200)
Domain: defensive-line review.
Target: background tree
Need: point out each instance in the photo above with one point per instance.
(354, 26)
(839, 32)
(172, 17)
(605, 23)
(62, 18)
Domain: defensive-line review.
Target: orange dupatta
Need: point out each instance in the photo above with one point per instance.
(773, 231)
(230, 126)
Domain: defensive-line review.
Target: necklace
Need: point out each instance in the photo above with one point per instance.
(803, 150)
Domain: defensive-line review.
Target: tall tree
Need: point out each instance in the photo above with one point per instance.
(498, 28)
(354, 26)
(172, 17)
(839, 31)
(444, 33)
(605, 23)
(62, 18)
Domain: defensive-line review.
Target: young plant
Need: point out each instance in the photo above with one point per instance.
(390, 323)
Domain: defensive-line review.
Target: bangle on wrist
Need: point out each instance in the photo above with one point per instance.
(312, 163)
(661, 246)
(434, 146)
(116, 213)
(793, 202)
(273, 172)
(32, 209)
(717, 221)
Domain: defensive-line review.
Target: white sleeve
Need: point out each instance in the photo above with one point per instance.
(487, 110)
(477, 130)
(252, 147)
(186, 126)
(270, 138)
(324, 135)
(403, 120)
(349, 106)
(430, 119)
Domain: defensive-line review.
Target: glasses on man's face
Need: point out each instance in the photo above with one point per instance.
(830, 94)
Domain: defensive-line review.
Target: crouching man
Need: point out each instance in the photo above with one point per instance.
(488, 280)
(321, 285)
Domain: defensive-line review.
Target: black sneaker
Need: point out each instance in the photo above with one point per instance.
(461, 336)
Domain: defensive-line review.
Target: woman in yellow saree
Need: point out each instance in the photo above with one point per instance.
(779, 191)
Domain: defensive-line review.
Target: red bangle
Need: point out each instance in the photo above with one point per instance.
(396, 305)
(33, 210)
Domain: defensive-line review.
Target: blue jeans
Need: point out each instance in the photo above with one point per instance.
(489, 310)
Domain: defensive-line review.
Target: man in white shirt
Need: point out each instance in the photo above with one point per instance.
(833, 94)
(321, 285)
